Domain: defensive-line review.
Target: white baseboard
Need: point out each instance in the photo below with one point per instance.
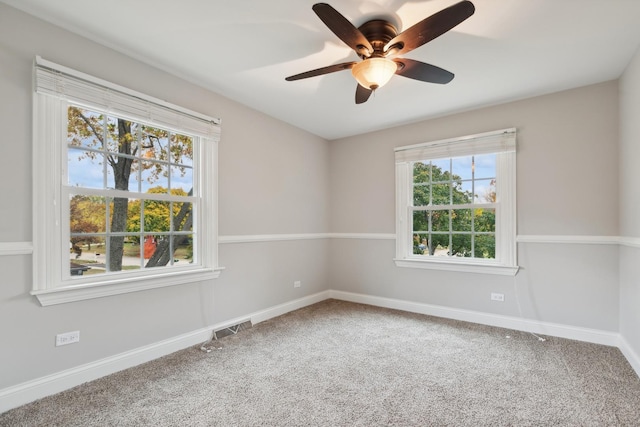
(630, 354)
(544, 328)
(14, 396)
(281, 309)
(29, 391)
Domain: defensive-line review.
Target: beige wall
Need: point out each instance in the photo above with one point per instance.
(567, 186)
(276, 179)
(273, 178)
(630, 204)
(567, 156)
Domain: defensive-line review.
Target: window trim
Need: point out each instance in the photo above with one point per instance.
(55, 86)
(501, 142)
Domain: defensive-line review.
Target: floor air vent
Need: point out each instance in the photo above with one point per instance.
(224, 332)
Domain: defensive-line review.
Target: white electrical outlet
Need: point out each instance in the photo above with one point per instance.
(67, 338)
(297, 284)
(497, 297)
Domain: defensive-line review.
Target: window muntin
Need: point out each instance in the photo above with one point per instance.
(455, 204)
(454, 207)
(107, 153)
(62, 191)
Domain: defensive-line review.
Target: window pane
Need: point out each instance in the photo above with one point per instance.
(133, 177)
(85, 128)
(85, 168)
(461, 220)
(122, 180)
(440, 244)
(461, 245)
(182, 216)
(183, 250)
(154, 143)
(485, 246)
(121, 136)
(182, 178)
(485, 220)
(421, 194)
(440, 170)
(118, 211)
(421, 221)
(420, 244)
(461, 167)
(124, 253)
(112, 141)
(421, 172)
(87, 256)
(154, 175)
(441, 194)
(440, 221)
(133, 216)
(461, 193)
(162, 251)
(485, 191)
(467, 187)
(182, 150)
(157, 216)
(485, 166)
(150, 246)
(87, 214)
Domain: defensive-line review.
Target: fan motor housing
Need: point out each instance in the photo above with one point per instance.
(379, 32)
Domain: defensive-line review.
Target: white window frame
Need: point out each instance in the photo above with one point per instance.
(503, 144)
(55, 87)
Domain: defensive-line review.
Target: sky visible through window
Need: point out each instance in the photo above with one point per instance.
(89, 173)
(158, 161)
(477, 173)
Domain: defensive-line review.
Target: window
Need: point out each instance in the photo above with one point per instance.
(456, 204)
(124, 189)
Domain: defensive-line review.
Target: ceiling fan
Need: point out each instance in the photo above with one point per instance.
(377, 40)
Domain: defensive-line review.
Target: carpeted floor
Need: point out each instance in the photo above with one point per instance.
(342, 364)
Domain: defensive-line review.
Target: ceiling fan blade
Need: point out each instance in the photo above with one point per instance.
(344, 29)
(430, 28)
(362, 94)
(424, 72)
(321, 71)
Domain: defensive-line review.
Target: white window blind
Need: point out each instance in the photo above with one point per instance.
(65, 83)
(502, 141)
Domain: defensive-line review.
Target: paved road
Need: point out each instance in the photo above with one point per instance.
(126, 260)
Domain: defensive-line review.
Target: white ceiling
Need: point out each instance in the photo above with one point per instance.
(509, 49)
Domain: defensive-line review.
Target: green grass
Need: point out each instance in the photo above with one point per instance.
(84, 261)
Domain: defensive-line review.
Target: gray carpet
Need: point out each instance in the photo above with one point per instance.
(342, 364)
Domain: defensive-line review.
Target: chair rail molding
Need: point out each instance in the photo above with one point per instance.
(16, 248)
(569, 239)
(26, 248)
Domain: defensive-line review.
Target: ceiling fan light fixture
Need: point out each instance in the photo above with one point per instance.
(373, 73)
(377, 39)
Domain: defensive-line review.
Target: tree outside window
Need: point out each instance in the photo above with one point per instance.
(455, 214)
(110, 233)
(455, 204)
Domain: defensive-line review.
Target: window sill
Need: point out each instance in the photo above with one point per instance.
(460, 266)
(67, 294)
